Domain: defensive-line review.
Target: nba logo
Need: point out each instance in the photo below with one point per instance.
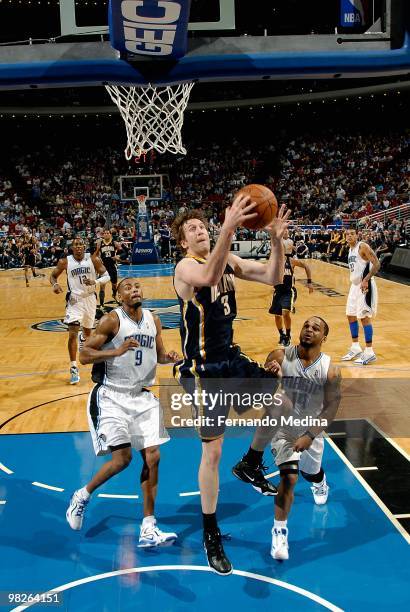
(353, 13)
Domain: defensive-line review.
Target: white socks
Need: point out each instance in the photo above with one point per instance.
(84, 493)
(369, 350)
(73, 364)
(280, 524)
(149, 521)
(355, 346)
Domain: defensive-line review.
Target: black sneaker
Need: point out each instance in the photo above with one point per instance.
(283, 340)
(254, 476)
(217, 560)
(286, 340)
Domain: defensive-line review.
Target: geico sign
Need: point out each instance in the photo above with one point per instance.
(158, 33)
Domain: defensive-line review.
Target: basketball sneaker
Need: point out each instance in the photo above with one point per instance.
(352, 353)
(365, 358)
(214, 550)
(151, 535)
(320, 492)
(283, 340)
(254, 476)
(280, 546)
(75, 511)
(74, 375)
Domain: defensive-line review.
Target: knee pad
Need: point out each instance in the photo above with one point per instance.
(313, 477)
(292, 467)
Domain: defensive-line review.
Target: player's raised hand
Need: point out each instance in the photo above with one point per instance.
(279, 224)
(172, 357)
(127, 345)
(239, 211)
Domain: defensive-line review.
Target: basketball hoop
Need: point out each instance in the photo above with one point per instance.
(153, 116)
(142, 207)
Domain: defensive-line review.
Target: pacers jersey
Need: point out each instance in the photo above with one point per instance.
(288, 280)
(136, 368)
(305, 386)
(358, 266)
(77, 273)
(107, 251)
(207, 318)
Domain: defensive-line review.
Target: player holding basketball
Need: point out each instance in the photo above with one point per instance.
(107, 249)
(122, 412)
(362, 298)
(205, 285)
(28, 250)
(312, 384)
(285, 295)
(81, 301)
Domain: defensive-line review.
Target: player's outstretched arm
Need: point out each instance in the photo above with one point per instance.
(106, 329)
(55, 273)
(189, 273)
(272, 272)
(302, 264)
(162, 355)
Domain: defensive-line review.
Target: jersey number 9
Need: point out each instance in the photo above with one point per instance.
(138, 358)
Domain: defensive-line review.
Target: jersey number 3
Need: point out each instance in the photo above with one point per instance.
(225, 304)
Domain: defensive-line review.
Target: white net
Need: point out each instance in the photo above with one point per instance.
(153, 116)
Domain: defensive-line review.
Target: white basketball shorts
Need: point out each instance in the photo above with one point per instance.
(361, 304)
(310, 460)
(82, 311)
(117, 417)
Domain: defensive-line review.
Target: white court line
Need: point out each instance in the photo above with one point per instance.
(190, 493)
(392, 442)
(112, 496)
(197, 568)
(337, 434)
(2, 502)
(397, 516)
(6, 469)
(367, 469)
(46, 486)
(370, 491)
(272, 474)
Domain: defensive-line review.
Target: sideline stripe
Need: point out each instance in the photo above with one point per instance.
(190, 493)
(398, 516)
(112, 496)
(5, 469)
(46, 486)
(367, 469)
(392, 442)
(197, 568)
(370, 491)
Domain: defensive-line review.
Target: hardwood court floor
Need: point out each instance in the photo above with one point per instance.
(34, 364)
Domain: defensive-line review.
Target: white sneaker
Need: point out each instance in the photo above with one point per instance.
(280, 547)
(351, 354)
(151, 535)
(74, 375)
(320, 492)
(75, 511)
(365, 359)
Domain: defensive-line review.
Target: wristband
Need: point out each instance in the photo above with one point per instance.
(309, 281)
(309, 434)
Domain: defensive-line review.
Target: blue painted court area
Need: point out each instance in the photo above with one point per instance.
(346, 555)
(146, 270)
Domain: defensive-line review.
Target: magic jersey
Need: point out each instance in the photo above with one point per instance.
(77, 273)
(358, 266)
(136, 368)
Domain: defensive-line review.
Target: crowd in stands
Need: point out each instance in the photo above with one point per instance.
(327, 180)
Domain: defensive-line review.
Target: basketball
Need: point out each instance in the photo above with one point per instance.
(266, 205)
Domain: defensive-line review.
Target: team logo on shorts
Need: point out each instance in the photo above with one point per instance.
(166, 310)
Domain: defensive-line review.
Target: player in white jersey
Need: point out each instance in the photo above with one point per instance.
(312, 384)
(122, 413)
(362, 298)
(81, 300)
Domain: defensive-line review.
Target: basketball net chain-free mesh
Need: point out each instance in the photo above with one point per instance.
(153, 116)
